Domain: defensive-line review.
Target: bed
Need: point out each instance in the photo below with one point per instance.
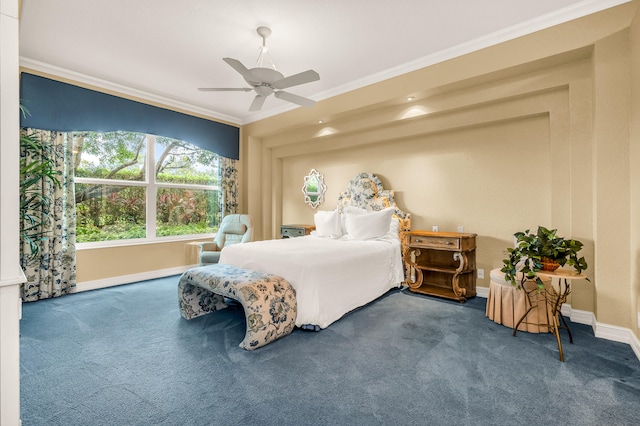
(353, 257)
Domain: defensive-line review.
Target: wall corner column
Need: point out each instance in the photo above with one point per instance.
(612, 101)
(11, 275)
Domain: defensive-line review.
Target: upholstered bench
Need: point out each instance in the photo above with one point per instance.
(268, 300)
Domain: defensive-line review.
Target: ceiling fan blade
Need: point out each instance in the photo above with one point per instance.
(246, 74)
(257, 103)
(222, 89)
(296, 79)
(305, 102)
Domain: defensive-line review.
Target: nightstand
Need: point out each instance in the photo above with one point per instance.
(443, 263)
(289, 231)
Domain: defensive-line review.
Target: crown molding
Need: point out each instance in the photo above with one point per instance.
(542, 22)
(575, 11)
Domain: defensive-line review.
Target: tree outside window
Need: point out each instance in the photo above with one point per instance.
(136, 186)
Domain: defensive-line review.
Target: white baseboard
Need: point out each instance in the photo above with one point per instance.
(128, 279)
(482, 292)
(635, 345)
(581, 317)
(618, 334)
(601, 330)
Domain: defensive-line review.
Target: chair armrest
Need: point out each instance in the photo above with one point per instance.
(209, 247)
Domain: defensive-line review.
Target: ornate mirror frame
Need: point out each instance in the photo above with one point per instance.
(314, 188)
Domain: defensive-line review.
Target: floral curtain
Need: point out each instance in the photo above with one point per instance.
(228, 179)
(48, 229)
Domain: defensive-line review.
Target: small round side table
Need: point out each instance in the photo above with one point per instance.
(555, 299)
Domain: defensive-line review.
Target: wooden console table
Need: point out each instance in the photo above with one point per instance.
(555, 299)
(444, 263)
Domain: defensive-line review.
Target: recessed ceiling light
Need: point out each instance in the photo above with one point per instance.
(320, 121)
(410, 98)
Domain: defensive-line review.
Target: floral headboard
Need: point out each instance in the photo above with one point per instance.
(365, 191)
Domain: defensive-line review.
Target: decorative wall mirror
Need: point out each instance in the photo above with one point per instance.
(314, 188)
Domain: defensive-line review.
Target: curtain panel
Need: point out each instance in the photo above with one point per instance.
(228, 186)
(50, 265)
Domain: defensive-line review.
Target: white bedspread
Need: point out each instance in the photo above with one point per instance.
(331, 277)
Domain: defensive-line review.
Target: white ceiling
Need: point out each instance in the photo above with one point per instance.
(163, 50)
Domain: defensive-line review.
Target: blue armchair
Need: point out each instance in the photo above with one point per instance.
(234, 229)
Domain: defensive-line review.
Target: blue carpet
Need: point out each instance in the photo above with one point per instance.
(124, 356)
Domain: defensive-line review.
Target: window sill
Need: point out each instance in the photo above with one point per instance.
(142, 241)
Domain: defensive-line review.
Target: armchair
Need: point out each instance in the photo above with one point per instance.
(234, 229)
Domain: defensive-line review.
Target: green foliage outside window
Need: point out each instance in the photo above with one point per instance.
(110, 213)
(115, 211)
(184, 212)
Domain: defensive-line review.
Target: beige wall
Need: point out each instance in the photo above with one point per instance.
(95, 264)
(531, 132)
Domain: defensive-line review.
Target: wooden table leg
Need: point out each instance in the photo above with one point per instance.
(556, 310)
(556, 332)
(522, 319)
(557, 299)
(564, 321)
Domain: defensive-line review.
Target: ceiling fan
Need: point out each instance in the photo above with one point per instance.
(266, 81)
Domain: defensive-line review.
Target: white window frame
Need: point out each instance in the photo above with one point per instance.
(151, 193)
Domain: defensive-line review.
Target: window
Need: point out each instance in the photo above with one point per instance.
(132, 186)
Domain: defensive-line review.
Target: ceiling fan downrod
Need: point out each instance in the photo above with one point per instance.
(264, 32)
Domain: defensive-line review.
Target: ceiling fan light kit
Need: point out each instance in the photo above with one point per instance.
(267, 81)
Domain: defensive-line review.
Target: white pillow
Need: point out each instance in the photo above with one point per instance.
(351, 210)
(356, 210)
(394, 223)
(364, 225)
(327, 224)
(394, 228)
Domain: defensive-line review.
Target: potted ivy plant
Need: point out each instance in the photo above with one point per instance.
(544, 250)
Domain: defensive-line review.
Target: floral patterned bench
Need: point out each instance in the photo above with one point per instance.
(268, 300)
